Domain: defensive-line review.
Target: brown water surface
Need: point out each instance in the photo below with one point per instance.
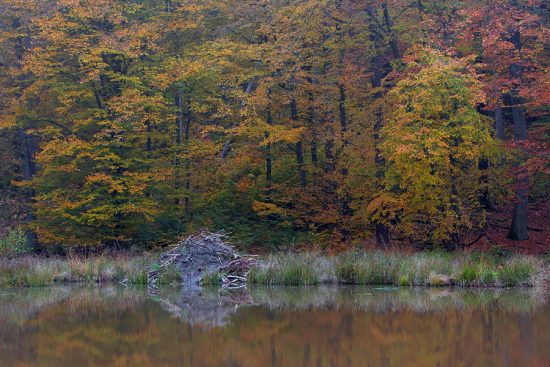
(262, 327)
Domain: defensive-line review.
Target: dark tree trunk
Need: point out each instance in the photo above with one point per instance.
(345, 199)
(382, 232)
(314, 155)
(520, 122)
(499, 123)
(394, 44)
(27, 149)
(179, 140)
(149, 141)
(329, 151)
(268, 154)
(313, 128)
(298, 147)
(518, 228)
(300, 161)
(187, 184)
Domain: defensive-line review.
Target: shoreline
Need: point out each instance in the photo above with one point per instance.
(426, 269)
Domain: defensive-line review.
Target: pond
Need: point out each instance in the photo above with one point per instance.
(277, 326)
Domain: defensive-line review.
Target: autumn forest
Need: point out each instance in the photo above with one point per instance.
(286, 123)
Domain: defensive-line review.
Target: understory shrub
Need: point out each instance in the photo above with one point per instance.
(14, 243)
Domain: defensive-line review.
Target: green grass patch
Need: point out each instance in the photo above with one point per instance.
(211, 279)
(380, 268)
(288, 269)
(519, 271)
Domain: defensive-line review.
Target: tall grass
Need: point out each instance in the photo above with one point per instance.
(376, 268)
(32, 271)
(293, 269)
(379, 268)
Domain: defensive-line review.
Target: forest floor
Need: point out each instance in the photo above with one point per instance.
(497, 230)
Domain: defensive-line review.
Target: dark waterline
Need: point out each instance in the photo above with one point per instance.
(277, 326)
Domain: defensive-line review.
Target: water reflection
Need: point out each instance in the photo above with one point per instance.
(278, 326)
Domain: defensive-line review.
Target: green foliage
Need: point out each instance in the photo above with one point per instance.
(14, 243)
(434, 141)
(148, 120)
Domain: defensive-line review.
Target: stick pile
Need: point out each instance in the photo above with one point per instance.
(204, 253)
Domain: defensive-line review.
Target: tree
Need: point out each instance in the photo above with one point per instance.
(432, 145)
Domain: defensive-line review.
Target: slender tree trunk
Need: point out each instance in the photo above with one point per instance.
(518, 228)
(26, 146)
(179, 141)
(268, 153)
(298, 147)
(187, 184)
(329, 151)
(345, 196)
(149, 141)
(381, 230)
(312, 127)
(499, 123)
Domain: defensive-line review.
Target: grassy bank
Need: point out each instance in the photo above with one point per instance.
(379, 268)
(373, 268)
(30, 271)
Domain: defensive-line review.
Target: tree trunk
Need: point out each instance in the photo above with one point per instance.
(345, 196)
(27, 149)
(329, 151)
(520, 122)
(499, 123)
(298, 147)
(312, 127)
(518, 228)
(26, 146)
(268, 154)
(187, 184)
(382, 232)
(149, 141)
(179, 139)
(394, 44)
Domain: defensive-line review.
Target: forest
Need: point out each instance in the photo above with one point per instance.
(315, 124)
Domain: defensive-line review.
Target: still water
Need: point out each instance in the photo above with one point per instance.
(262, 327)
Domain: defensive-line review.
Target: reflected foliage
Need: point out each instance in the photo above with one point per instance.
(328, 326)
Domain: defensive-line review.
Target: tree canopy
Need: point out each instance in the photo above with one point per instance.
(281, 122)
